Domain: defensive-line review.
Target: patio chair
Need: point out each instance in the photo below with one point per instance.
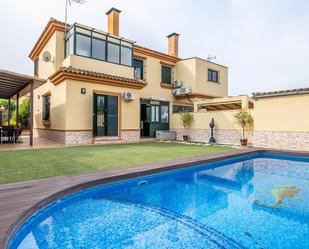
(11, 134)
(18, 135)
(4, 134)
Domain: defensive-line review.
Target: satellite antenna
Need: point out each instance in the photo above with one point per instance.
(46, 56)
(80, 2)
(210, 57)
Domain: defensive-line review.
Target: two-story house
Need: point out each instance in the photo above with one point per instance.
(102, 85)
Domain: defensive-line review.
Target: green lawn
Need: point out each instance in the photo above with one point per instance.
(22, 165)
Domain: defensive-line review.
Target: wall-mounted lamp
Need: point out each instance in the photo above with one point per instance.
(83, 90)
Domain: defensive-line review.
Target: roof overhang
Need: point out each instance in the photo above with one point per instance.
(70, 73)
(296, 91)
(226, 103)
(196, 95)
(12, 83)
(52, 26)
(139, 50)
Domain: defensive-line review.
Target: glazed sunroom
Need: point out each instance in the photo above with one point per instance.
(84, 41)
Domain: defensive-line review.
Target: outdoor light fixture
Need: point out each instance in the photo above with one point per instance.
(83, 90)
(212, 140)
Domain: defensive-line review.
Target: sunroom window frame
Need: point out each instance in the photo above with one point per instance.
(121, 43)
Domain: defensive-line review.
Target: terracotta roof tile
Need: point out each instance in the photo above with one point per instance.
(295, 91)
(74, 70)
(152, 51)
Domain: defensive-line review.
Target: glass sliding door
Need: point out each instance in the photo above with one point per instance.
(105, 115)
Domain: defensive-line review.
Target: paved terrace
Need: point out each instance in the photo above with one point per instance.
(16, 199)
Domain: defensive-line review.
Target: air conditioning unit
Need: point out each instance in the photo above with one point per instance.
(185, 90)
(178, 83)
(128, 96)
(176, 92)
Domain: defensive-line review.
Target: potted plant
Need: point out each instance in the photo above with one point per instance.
(186, 120)
(244, 119)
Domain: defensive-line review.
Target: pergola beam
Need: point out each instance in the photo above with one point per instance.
(31, 113)
(12, 84)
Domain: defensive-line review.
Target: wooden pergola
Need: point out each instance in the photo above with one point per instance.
(15, 85)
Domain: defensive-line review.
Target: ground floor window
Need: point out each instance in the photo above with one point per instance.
(181, 108)
(46, 108)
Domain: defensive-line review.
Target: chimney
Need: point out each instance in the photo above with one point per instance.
(113, 21)
(173, 44)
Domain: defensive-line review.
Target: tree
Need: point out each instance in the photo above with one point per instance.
(4, 103)
(24, 114)
(245, 120)
(186, 118)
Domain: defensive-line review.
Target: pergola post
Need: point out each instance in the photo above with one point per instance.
(31, 113)
(17, 109)
(9, 112)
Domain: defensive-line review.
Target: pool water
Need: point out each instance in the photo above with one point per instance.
(226, 204)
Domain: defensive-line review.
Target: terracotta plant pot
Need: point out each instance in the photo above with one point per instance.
(185, 138)
(243, 141)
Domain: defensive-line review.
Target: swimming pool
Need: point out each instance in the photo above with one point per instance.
(225, 204)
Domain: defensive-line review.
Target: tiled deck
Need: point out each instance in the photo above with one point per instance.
(37, 143)
(16, 198)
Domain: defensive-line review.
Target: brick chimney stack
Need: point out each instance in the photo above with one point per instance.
(113, 21)
(173, 44)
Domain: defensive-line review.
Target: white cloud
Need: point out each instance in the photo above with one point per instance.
(264, 43)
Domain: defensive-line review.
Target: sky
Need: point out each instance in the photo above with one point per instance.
(265, 43)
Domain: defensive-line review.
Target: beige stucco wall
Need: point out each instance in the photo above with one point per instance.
(194, 72)
(98, 66)
(58, 105)
(152, 75)
(80, 106)
(223, 120)
(55, 46)
(284, 113)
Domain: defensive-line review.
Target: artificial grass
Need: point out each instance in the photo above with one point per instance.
(23, 165)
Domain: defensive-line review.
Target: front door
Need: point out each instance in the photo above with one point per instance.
(105, 115)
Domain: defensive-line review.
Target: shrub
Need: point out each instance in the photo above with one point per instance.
(245, 120)
(186, 118)
(24, 114)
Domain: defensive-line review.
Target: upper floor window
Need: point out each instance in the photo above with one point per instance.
(98, 45)
(113, 53)
(166, 74)
(213, 75)
(36, 67)
(98, 49)
(83, 45)
(46, 108)
(138, 69)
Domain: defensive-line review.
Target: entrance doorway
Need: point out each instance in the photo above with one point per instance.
(105, 115)
(154, 116)
(145, 119)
